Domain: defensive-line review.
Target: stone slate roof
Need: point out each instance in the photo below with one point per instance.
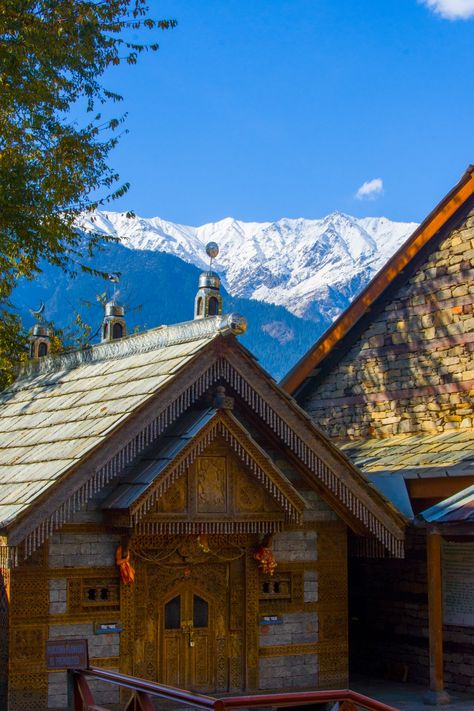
(63, 407)
(447, 453)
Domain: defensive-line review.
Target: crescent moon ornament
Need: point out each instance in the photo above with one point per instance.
(40, 310)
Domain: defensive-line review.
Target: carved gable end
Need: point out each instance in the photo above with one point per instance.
(216, 488)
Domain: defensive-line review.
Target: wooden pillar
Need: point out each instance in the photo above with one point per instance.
(436, 695)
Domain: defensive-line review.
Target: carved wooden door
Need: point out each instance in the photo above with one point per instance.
(188, 634)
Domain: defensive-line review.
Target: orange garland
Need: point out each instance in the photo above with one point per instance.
(266, 562)
(127, 572)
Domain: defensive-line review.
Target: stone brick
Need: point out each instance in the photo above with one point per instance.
(295, 545)
(430, 359)
(292, 672)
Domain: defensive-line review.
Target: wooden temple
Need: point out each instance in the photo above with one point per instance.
(162, 497)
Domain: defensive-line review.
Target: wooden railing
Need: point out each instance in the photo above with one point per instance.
(80, 697)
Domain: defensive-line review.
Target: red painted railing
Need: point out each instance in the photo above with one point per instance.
(80, 697)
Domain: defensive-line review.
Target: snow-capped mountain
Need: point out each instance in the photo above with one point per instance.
(314, 268)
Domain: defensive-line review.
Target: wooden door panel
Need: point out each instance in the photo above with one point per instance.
(172, 659)
(201, 658)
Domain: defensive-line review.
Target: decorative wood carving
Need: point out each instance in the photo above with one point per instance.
(28, 691)
(356, 504)
(170, 566)
(224, 433)
(176, 498)
(31, 596)
(251, 620)
(211, 483)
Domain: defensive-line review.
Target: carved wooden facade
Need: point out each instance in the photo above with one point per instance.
(192, 488)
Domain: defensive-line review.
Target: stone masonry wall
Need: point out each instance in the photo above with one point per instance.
(65, 587)
(412, 370)
(288, 658)
(299, 647)
(92, 552)
(103, 645)
(389, 609)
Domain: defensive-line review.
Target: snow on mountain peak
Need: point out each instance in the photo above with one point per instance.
(313, 267)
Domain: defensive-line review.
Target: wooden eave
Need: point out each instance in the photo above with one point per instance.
(79, 479)
(222, 424)
(342, 327)
(222, 360)
(312, 438)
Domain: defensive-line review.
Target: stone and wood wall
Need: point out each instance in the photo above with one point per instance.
(411, 370)
(71, 585)
(389, 631)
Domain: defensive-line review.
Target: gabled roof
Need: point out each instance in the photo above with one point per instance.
(149, 480)
(344, 327)
(85, 417)
(62, 408)
(424, 455)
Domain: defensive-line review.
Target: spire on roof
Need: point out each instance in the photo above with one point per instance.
(113, 325)
(208, 300)
(40, 335)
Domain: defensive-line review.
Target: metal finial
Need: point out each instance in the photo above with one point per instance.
(38, 314)
(212, 250)
(114, 277)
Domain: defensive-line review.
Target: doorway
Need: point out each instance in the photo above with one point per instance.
(188, 655)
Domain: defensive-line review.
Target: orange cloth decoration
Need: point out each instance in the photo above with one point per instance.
(266, 562)
(127, 572)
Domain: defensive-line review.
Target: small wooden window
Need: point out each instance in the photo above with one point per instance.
(117, 331)
(100, 593)
(277, 587)
(42, 349)
(199, 307)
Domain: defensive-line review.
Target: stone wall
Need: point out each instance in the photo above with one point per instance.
(297, 672)
(412, 370)
(82, 550)
(65, 587)
(100, 646)
(389, 609)
(304, 644)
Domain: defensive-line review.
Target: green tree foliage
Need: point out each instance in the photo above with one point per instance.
(53, 55)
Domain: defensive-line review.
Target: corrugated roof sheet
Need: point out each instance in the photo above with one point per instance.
(63, 407)
(459, 507)
(448, 453)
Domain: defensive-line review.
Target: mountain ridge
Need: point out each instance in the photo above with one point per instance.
(309, 266)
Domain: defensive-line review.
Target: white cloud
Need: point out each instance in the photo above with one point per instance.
(451, 9)
(370, 190)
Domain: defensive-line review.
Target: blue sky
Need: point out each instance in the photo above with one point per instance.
(260, 109)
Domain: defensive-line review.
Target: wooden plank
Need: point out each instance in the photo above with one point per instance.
(436, 695)
(431, 488)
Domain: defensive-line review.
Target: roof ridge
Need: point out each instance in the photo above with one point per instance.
(346, 321)
(154, 338)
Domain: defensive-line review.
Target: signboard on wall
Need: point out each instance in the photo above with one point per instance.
(67, 654)
(458, 584)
